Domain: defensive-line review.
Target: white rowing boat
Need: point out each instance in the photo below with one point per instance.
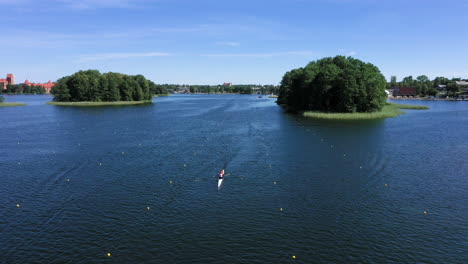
(220, 180)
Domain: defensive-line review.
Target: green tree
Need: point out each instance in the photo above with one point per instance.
(126, 90)
(60, 90)
(2, 99)
(393, 82)
(440, 81)
(113, 82)
(452, 88)
(91, 85)
(336, 84)
(407, 81)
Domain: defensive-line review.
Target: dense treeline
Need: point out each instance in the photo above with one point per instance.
(424, 86)
(210, 89)
(93, 86)
(23, 89)
(339, 84)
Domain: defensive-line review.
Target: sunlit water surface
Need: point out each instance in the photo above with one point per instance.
(138, 182)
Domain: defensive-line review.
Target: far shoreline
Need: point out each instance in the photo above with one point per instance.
(89, 103)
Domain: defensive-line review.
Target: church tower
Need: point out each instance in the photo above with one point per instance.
(10, 78)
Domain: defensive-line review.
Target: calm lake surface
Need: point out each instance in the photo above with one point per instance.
(386, 191)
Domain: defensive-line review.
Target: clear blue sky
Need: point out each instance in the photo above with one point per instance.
(239, 41)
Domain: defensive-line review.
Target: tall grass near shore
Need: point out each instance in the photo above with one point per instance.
(389, 110)
(11, 104)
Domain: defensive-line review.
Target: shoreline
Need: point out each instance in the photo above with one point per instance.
(88, 103)
(389, 110)
(425, 99)
(11, 104)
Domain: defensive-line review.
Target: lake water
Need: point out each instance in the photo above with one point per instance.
(385, 191)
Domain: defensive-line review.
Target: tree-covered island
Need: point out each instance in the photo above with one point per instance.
(91, 88)
(337, 88)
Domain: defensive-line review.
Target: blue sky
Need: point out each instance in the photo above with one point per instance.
(241, 41)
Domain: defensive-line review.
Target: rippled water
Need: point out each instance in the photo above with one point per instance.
(387, 191)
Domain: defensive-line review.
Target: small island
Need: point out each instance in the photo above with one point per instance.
(91, 88)
(338, 88)
(3, 104)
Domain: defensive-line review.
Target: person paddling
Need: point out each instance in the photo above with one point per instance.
(221, 174)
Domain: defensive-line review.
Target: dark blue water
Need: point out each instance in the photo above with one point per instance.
(386, 191)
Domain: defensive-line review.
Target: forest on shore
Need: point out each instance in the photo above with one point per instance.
(427, 87)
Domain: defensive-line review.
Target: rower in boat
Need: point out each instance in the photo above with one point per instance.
(220, 178)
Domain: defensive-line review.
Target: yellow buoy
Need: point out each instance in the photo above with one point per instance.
(149, 208)
(170, 182)
(294, 257)
(425, 212)
(100, 164)
(68, 180)
(274, 182)
(281, 209)
(18, 205)
(109, 254)
(185, 165)
(385, 185)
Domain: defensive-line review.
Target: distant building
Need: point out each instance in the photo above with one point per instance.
(463, 86)
(182, 89)
(47, 86)
(441, 87)
(404, 91)
(227, 84)
(10, 79)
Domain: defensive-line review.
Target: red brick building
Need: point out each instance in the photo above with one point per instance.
(47, 86)
(404, 91)
(10, 79)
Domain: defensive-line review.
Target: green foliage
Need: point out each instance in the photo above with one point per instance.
(2, 99)
(425, 87)
(92, 86)
(336, 84)
(24, 89)
(452, 88)
(113, 103)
